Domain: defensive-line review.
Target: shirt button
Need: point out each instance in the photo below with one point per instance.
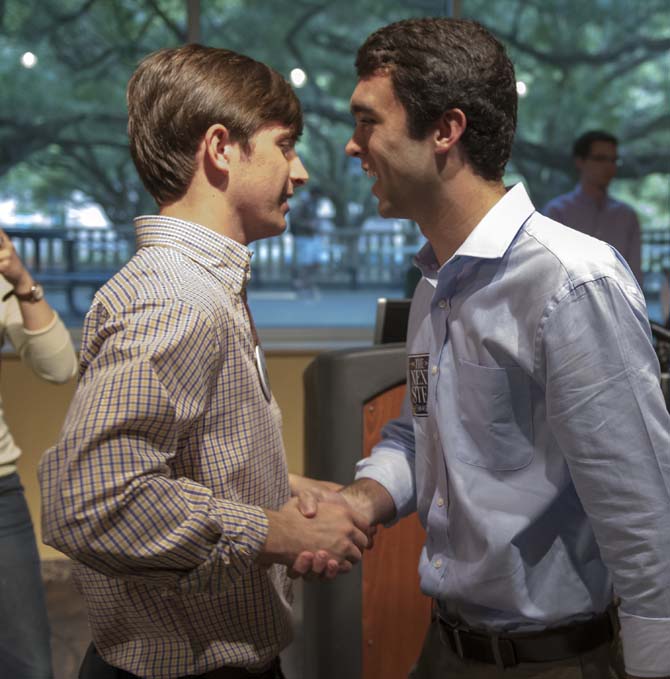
(433, 370)
(435, 436)
(440, 502)
(442, 304)
(437, 563)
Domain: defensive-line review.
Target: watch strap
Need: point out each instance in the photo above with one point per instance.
(35, 294)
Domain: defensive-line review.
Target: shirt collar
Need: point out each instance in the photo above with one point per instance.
(491, 238)
(226, 259)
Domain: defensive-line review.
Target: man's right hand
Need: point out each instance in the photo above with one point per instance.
(370, 500)
(336, 532)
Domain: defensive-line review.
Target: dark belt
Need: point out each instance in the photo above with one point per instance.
(508, 650)
(94, 667)
(272, 672)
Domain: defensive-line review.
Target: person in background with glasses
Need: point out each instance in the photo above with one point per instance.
(41, 340)
(589, 209)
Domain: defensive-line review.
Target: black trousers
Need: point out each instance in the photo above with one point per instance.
(94, 667)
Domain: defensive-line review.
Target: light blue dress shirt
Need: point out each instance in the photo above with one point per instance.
(534, 441)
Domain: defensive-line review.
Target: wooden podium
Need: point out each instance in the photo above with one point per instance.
(369, 624)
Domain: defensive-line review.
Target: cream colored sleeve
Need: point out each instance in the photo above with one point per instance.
(49, 351)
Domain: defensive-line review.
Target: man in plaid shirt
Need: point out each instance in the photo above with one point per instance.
(169, 485)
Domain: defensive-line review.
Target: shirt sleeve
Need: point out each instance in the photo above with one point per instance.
(606, 409)
(109, 498)
(391, 462)
(48, 351)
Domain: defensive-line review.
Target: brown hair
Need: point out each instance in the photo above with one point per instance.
(176, 94)
(583, 143)
(437, 64)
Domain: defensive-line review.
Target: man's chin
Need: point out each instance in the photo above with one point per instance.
(270, 231)
(388, 211)
(277, 230)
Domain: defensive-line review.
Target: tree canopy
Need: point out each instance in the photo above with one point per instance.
(586, 64)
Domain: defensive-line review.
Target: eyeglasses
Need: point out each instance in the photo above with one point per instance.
(598, 158)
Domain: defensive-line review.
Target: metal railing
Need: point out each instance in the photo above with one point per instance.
(60, 252)
(342, 257)
(349, 258)
(656, 251)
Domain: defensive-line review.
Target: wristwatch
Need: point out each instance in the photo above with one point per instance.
(35, 294)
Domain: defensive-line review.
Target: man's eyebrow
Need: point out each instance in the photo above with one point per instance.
(360, 108)
(288, 136)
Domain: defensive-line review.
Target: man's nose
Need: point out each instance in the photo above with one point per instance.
(352, 148)
(299, 174)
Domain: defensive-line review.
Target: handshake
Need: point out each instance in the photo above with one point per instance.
(323, 529)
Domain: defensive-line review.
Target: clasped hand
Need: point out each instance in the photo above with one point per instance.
(319, 501)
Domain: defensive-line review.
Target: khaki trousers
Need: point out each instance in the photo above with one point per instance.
(438, 661)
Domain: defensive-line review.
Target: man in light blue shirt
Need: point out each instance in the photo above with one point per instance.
(534, 442)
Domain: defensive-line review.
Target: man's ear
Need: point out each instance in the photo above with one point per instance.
(217, 147)
(450, 128)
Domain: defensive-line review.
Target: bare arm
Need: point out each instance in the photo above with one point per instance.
(370, 499)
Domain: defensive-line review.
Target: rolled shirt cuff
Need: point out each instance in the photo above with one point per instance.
(646, 650)
(390, 468)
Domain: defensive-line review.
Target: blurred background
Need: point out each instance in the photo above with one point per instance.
(68, 190)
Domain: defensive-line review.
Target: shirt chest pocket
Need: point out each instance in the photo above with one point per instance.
(496, 417)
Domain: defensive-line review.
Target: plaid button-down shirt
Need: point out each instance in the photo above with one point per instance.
(167, 455)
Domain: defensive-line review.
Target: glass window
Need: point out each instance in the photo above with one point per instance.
(594, 65)
(68, 191)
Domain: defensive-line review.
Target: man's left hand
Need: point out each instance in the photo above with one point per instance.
(310, 493)
(11, 266)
